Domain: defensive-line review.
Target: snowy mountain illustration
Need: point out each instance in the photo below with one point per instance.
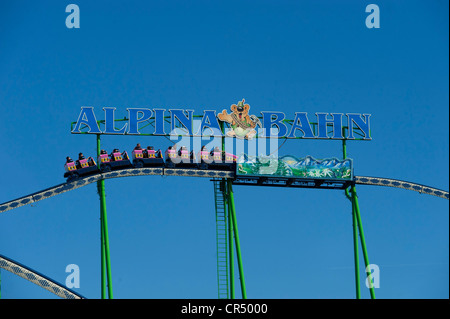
(291, 166)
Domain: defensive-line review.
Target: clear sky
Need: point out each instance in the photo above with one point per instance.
(289, 56)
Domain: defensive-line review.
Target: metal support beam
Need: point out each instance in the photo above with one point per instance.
(355, 206)
(356, 255)
(105, 254)
(355, 227)
(232, 231)
(233, 222)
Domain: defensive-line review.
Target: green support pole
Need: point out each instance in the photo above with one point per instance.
(105, 256)
(233, 230)
(103, 261)
(355, 228)
(230, 223)
(355, 249)
(344, 153)
(106, 237)
(236, 235)
(361, 235)
(230, 248)
(102, 239)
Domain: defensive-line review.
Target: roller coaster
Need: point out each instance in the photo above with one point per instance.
(216, 174)
(225, 170)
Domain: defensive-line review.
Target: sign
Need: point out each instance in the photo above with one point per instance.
(237, 122)
(293, 167)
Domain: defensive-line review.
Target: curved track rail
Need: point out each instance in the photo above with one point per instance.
(379, 181)
(38, 279)
(65, 187)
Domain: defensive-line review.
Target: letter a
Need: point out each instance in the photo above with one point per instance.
(87, 117)
(73, 19)
(73, 280)
(373, 19)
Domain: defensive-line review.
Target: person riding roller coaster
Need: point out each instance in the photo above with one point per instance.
(111, 155)
(80, 157)
(146, 151)
(182, 148)
(216, 150)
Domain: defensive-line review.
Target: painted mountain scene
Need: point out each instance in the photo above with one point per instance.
(293, 167)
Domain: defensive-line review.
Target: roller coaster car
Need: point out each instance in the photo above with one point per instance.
(230, 158)
(80, 168)
(171, 156)
(219, 160)
(216, 155)
(103, 158)
(183, 153)
(182, 158)
(147, 158)
(204, 158)
(115, 161)
(188, 159)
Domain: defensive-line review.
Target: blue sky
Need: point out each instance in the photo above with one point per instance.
(289, 56)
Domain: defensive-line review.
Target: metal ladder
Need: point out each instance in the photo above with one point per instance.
(221, 238)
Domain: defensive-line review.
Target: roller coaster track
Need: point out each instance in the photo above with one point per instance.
(37, 278)
(68, 186)
(63, 292)
(379, 181)
(65, 187)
